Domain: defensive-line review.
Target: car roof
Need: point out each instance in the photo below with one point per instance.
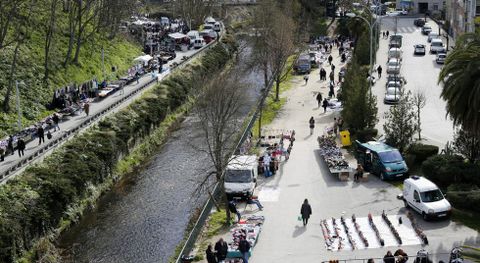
(422, 183)
(377, 146)
(392, 90)
(437, 40)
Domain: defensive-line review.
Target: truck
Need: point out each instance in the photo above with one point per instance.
(395, 41)
(241, 176)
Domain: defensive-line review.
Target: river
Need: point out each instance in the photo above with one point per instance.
(144, 217)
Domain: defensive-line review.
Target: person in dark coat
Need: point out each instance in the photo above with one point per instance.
(86, 108)
(319, 99)
(232, 206)
(56, 120)
(332, 77)
(210, 255)
(402, 257)
(21, 147)
(40, 134)
(323, 74)
(379, 71)
(389, 258)
(221, 247)
(325, 105)
(330, 58)
(10, 145)
(306, 211)
(244, 248)
(333, 68)
(311, 123)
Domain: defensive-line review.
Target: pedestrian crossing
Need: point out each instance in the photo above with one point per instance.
(403, 29)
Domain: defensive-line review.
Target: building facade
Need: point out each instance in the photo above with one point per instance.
(422, 6)
(461, 16)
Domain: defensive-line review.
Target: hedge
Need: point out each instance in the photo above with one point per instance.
(464, 196)
(37, 201)
(422, 151)
(446, 170)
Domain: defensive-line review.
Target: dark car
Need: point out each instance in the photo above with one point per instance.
(419, 22)
(419, 49)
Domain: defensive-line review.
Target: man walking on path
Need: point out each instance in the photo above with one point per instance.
(325, 105)
(312, 125)
(244, 248)
(323, 74)
(333, 69)
(305, 77)
(221, 247)
(86, 108)
(330, 58)
(40, 134)
(56, 120)
(21, 147)
(379, 71)
(10, 145)
(306, 211)
(319, 99)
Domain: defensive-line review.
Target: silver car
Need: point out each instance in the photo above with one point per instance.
(392, 96)
(393, 66)
(441, 58)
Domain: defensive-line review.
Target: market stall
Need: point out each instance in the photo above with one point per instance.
(333, 157)
(249, 227)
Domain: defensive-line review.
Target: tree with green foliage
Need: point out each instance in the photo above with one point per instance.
(400, 125)
(461, 82)
(467, 144)
(359, 106)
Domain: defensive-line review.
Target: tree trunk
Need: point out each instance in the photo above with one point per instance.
(71, 28)
(48, 40)
(80, 31)
(11, 82)
(277, 89)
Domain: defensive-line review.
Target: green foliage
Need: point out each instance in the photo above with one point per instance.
(362, 50)
(464, 196)
(467, 144)
(359, 105)
(366, 135)
(400, 125)
(41, 199)
(445, 170)
(422, 151)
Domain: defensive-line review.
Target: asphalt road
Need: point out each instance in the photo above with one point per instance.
(421, 73)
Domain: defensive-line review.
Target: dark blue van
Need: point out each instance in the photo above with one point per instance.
(303, 64)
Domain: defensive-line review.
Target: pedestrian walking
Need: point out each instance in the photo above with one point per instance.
(21, 147)
(232, 206)
(221, 249)
(56, 120)
(2, 153)
(305, 77)
(335, 126)
(10, 148)
(333, 68)
(379, 71)
(323, 74)
(244, 248)
(86, 108)
(330, 58)
(210, 254)
(387, 34)
(266, 165)
(325, 105)
(49, 135)
(331, 92)
(137, 77)
(383, 34)
(40, 134)
(254, 201)
(319, 99)
(332, 76)
(312, 124)
(305, 211)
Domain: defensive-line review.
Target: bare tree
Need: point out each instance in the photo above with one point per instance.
(419, 101)
(194, 11)
(49, 32)
(219, 119)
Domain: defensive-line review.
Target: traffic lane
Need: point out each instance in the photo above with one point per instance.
(421, 73)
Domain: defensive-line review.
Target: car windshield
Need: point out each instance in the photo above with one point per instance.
(437, 44)
(390, 156)
(431, 196)
(393, 91)
(238, 176)
(393, 63)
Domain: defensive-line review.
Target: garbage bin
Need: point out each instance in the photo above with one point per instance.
(345, 138)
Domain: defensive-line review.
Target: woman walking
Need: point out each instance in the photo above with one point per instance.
(306, 211)
(312, 125)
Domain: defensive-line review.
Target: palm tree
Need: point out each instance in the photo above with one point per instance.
(461, 78)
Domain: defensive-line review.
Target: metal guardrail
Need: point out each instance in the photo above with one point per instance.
(55, 142)
(411, 258)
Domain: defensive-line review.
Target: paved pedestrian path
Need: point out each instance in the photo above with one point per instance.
(105, 104)
(283, 237)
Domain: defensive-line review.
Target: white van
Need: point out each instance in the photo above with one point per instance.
(241, 176)
(208, 27)
(395, 52)
(426, 198)
(436, 46)
(193, 34)
(198, 43)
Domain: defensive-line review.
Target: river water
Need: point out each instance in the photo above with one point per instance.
(144, 217)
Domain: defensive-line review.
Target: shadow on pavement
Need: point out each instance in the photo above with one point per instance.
(298, 231)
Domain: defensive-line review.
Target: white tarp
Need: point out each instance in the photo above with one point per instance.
(405, 230)
(177, 35)
(143, 59)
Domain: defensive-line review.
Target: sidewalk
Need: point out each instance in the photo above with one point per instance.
(283, 237)
(106, 105)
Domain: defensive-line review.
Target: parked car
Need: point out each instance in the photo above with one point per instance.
(392, 96)
(441, 58)
(426, 198)
(401, 12)
(395, 41)
(395, 52)
(393, 66)
(394, 84)
(426, 29)
(396, 78)
(198, 43)
(217, 27)
(431, 36)
(419, 22)
(436, 46)
(381, 159)
(303, 64)
(419, 49)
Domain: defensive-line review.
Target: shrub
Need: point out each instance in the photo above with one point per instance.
(444, 170)
(464, 196)
(422, 151)
(366, 135)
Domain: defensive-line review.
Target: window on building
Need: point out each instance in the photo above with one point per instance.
(477, 10)
(435, 7)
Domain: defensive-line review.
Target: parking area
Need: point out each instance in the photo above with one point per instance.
(421, 73)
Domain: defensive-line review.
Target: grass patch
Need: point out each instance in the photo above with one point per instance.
(471, 253)
(467, 218)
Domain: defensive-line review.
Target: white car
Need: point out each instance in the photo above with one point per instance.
(393, 66)
(436, 46)
(426, 198)
(441, 58)
(394, 84)
(431, 36)
(392, 96)
(426, 29)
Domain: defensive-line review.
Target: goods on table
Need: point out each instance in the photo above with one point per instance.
(360, 233)
(333, 157)
(417, 229)
(375, 229)
(248, 227)
(392, 228)
(349, 236)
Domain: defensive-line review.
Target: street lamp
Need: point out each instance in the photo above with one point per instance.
(19, 111)
(370, 25)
